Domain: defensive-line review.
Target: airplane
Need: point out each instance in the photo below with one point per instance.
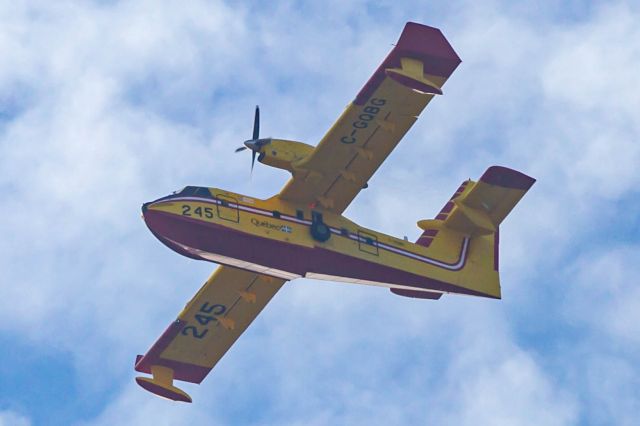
(301, 232)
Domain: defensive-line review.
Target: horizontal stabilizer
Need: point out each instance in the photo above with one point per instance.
(481, 209)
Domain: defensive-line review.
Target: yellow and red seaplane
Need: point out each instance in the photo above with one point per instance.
(261, 244)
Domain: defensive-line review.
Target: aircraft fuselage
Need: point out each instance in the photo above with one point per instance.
(279, 239)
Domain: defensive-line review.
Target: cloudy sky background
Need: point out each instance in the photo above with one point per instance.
(107, 104)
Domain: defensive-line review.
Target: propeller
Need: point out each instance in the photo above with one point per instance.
(255, 143)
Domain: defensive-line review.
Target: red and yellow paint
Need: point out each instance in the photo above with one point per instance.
(301, 232)
(274, 238)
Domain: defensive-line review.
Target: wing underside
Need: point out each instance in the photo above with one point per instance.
(373, 124)
(330, 177)
(203, 332)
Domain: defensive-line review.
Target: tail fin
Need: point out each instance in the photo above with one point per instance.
(476, 211)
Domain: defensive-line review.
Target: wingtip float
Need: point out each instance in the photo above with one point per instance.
(301, 232)
(161, 384)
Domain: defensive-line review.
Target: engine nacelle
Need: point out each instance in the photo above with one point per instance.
(283, 154)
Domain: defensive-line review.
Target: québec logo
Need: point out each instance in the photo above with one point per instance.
(266, 224)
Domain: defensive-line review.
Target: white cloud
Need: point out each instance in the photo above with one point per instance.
(133, 407)
(605, 292)
(112, 104)
(612, 383)
(10, 418)
(506, 388)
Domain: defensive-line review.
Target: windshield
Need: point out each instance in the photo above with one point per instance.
(198, 191)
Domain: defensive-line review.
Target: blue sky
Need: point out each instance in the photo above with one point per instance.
(108, 104)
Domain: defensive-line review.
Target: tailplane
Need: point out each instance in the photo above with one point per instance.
(475, 211)
(478, 208)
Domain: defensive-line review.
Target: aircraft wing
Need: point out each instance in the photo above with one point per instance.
(203, 332)
(373, 124)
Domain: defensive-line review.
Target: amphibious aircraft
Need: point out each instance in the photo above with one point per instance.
(301, 232)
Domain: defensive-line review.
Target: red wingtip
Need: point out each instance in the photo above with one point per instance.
(420, 42)
(423, 40)
(507, 178)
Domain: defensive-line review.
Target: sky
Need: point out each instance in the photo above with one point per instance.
(107, 104)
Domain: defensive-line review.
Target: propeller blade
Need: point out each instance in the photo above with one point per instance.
(256, 124)
(254, 143)
(253, 160)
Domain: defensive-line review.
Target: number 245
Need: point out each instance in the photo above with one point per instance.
(198, 211)
(213, 311)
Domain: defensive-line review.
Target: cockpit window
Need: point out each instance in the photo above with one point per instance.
(196, 191)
